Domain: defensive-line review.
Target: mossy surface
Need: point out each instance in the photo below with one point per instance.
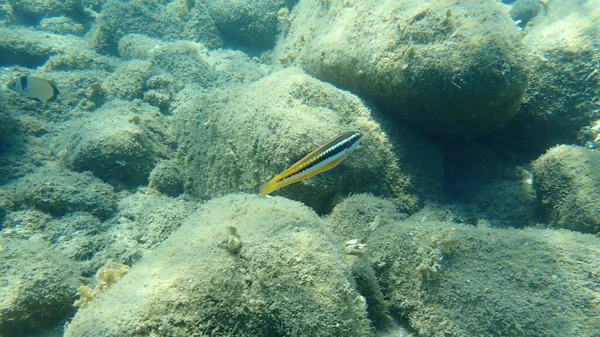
(432, 65)
(287, 278)
(449, 279)
(567, 180)
(243, 138)
(38, 286)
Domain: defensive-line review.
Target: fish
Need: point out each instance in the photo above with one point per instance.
(37, 88)
(320, 160)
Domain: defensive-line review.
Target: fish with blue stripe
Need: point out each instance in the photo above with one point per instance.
(320, 160)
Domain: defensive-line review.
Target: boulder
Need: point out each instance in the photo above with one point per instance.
(453, 69)
(244, 137)
(58, 192)
(567, 181)
(441, 278)
(175, 20)
(38, 286)
(240, 266)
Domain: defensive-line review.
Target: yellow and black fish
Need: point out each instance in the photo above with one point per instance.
(322, 159)
(37, 88)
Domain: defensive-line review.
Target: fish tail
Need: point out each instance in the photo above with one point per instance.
(268, 187)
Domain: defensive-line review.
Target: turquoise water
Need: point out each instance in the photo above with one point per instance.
(431, 168)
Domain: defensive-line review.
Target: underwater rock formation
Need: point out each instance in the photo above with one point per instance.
(248, 24)
(176, 20)
(127, 80)
(38, 286)
(34, 11)
(66, 192)
(564, 87)
(166, 178)
(453, 68)
(243, 138)
(447, 279)
(567, 181)
(481, 183)
(287, 279)
(5, 121)
(120, 144)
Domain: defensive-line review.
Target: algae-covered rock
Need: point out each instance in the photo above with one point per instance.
(449, 279)
(5, 121)
(523, 11)
(62, 25)
(175, 20)
(58, 192)
(32, 11)
(137, 46)
(567, 181)
(484, 184)
(564, 87)
(236, 66)
(189, 62)
(166, 178)
(38, 286)
(287, 279)
(23, 224)
(252, 24)
(186, 61)
(243, 138)
(368, 210)
(127, 81)
(143, 221)
(120, 144)
(5, 205)
(31, 48)
(444, 66)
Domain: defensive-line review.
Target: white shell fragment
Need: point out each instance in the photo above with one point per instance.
(353, 247)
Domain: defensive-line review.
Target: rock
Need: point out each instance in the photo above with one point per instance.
(62, 25)
(127, 81)
(144, 220)
(187, 62)
(523, 11)
(120, 144)
(177, 20)
(59, 192)
(368, 210)
(251, 24)
(286, 279)
(486, 184)
(38, 286)
(166, 178)
(274, 122)
(32, 11)
(137, 46)
(24, 224)
(237, 67)
(29, 48)
(431, 272)
(564, 92)
(5, 121)
(567, 181)
(445, 67)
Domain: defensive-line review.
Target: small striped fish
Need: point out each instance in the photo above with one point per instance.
(322, 159)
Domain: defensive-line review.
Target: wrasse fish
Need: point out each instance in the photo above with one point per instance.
(322, 159)
(37, 88)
